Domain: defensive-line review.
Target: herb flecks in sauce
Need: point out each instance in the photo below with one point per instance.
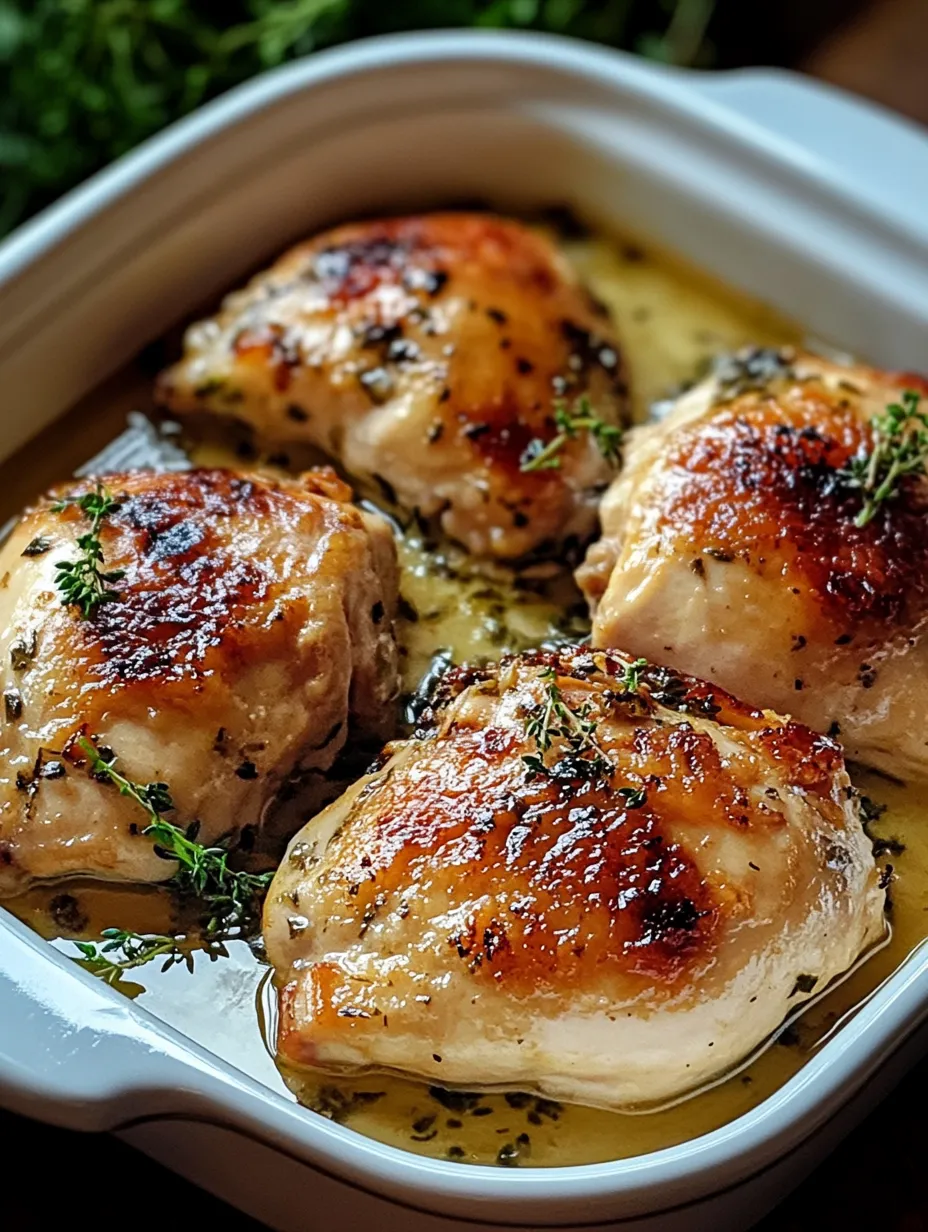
(456, 611)
(542, 455)
(81, 582)
(900, 448)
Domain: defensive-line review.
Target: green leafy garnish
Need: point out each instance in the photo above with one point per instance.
(580, 755)
(85, 80)
(82, 583)
(630, 680)
(900, 448)
(540, 455)
(232, 898)
(553, 719)
(120, 951)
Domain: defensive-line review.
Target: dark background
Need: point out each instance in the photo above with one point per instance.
(875, 1180)
(81, 81)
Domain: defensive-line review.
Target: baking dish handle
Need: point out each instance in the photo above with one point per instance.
(883, 155)
(78, 1055)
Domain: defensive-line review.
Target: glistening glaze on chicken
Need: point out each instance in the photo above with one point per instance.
(253, 624)
(730, 550)
(424, 353)
(614, 938)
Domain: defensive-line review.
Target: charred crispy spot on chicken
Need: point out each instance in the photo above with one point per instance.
(600, 894)
(731, 549)
(249, 623)
(425, 353)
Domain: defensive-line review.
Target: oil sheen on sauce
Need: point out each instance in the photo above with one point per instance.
(672, 321)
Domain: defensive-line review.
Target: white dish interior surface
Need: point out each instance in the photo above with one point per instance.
(410, 123)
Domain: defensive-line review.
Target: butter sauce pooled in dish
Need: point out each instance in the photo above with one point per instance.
(638, 854)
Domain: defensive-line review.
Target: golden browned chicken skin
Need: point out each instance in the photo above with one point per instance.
(252, 626)
(730, 551)
(615, 928)
(425, 354)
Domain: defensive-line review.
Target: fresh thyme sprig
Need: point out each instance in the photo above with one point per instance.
(540, 455)
(82, 583)
(630, 680)
(122, 951)
(553, 719)
(900, 448)
(232, 898)
(583, 757)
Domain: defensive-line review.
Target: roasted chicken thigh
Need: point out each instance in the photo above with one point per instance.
(732, 550)
(251, 626)
(425, 354)
(600, 881)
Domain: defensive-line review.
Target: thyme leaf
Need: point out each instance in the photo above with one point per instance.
(553, 719)
(900, 448)
(630, 680)
(82, 582)
(120, 951)
(581, 756)
(540, 455)
(232, 898)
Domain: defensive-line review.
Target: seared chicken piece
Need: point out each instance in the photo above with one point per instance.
(424, 353)
(730, 551)
(253, 624)
(614, 921)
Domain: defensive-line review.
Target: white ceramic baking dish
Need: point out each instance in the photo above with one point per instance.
(794, 193)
